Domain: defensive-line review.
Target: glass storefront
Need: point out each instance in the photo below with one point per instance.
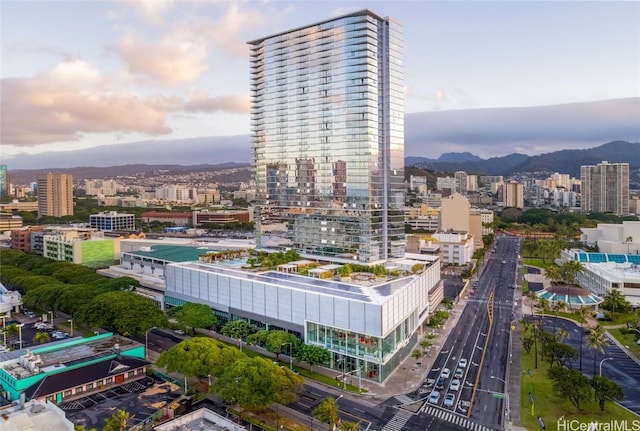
(376, 357)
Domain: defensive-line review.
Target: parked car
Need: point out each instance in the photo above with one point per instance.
(440, 383)
(434, 397)
(445, 373)
(458, 374)
(455, 385)
(179, 331)
(462, 363)
(449, 399)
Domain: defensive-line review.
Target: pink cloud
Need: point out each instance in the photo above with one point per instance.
(177, 58)
(200, 101)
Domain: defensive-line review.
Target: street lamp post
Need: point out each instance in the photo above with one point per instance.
(506, 394)
(71, 321)
(290, 354)
(605, 359)
(146, 343)
(337, 412)
(50, 313)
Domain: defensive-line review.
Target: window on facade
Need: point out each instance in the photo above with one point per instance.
(89, 386)
(50, 398)
(130, 374)
(109, 379)
(67, 393)
(78, 389)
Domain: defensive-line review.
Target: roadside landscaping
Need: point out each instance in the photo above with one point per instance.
(550, 407)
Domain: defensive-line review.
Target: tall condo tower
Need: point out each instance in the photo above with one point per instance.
(55, 195)
(327, 122)
(605, 188)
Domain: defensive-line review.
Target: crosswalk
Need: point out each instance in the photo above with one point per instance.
(398, 420)
(454, 418)
(404, 399)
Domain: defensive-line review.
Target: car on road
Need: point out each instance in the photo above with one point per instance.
(179, 331)
(445, 373)
(434, 397)
(458, 374)
(440, 383)
(449, 399)
(462, 363)
(455, 385)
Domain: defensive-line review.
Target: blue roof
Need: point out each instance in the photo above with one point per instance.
(606, 257)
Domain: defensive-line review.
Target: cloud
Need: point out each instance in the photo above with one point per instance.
(71, 100)
(152, 10)
(237, 19)
(442, 98)
(200, 101)
(177, 58)
(531, 130)
(74, 99)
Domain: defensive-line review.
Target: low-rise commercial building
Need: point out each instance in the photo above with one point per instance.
(369, 324)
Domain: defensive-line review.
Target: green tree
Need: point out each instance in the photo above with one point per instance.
(277, 341)
(596, 342)
(196, 315)
(561, 353)
(312, 355)
(117, 422)
(255, 383)
(348, 426)
(605, 388)
(614, 302)
(562, 335)
(199, 356)
(327, 412)
(582, 313)
(553, 274)
(570, 384)
(41, 337)
(570, 270)
(238, 329)
(123, 312)
(417, 354)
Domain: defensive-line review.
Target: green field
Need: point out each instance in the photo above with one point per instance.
(550, 407)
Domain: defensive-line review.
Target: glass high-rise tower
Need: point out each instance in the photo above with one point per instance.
(328, 132)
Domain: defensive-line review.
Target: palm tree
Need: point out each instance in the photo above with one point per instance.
(596, 341)
(556, 307)
(327, 411)
(570, 270)
(562, 334)
(117, 422)
(582, 314)
(553, 274)
(41, 337)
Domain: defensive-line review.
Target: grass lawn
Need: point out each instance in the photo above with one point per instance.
(619, 319)
(626, 340)
(535, 261)
(550, 407)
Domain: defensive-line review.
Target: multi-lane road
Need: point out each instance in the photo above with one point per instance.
(470, 371)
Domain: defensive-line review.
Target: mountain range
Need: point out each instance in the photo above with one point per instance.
(564, 161)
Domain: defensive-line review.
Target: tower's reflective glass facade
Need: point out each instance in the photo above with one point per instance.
(328, 133)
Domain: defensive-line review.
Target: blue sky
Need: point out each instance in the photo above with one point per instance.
(79, 74)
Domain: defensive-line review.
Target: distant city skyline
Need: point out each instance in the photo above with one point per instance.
(86, 74)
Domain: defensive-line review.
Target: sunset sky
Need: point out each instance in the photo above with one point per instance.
(78, 74)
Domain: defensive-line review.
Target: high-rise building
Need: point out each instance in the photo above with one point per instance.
(461, 182)
(513, 194)
(605, 188)
(4, 181)
(328, 134)
(55, 195)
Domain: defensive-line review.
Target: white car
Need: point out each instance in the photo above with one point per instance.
(458, 374)
(462, 363)
(449, 399)
(445, 373)
(434, 397)
(455, 385)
